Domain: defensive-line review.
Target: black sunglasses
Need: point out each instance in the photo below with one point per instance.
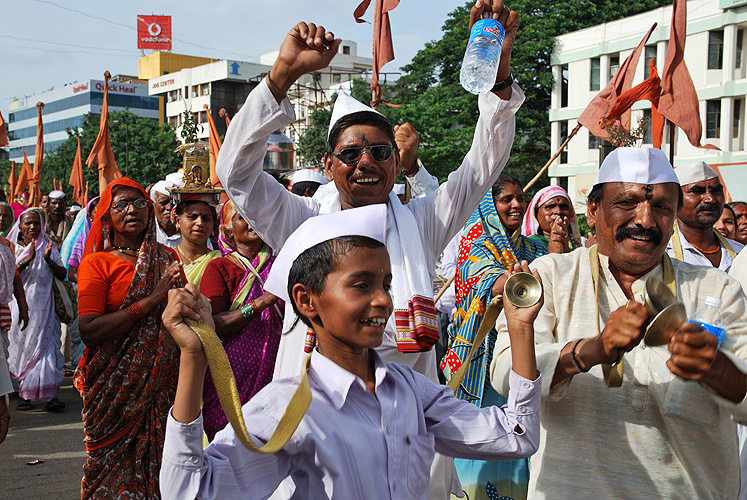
(351, 156)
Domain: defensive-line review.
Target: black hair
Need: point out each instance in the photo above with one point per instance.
(359, 118)
(503, 179)
(597, 191)
(735, 203)
(182, 207)
(312, 267)
(727, 207)
(300, 188)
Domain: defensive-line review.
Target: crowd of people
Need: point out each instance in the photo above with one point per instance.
(322, 296)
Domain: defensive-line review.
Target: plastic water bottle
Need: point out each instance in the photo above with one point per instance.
(709, 317)
(480, 63)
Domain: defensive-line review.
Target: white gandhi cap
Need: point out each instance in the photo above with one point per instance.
(367, 221)
(307, 175)
(695, 172)
(636, 165)
(346, 105)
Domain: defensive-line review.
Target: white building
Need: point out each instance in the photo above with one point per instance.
(225, 84)
(585, 60)
(65, 108)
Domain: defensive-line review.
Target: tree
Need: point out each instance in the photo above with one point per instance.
(142, 148)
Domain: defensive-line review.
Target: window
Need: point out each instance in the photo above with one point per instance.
(594, 141)
(650, 54)
(317, 77)
(647, 134)
(346, 49)
(195, 91)
(614, 66)
(713, 119)
(173, 121)
(715, 49)
(563, 137)
(564, 87)
(737, 119)
(594, 76)
(335, 78)
(740, 39)
(205, 89)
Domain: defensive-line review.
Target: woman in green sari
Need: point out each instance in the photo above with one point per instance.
(195, 220)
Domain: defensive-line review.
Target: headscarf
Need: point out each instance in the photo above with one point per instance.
(485, 251)
(40, 242)
(225, 243)
(530, 226)
(4, 234)
(98, 236)
(76, 239)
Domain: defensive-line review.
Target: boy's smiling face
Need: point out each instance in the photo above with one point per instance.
(351, 312)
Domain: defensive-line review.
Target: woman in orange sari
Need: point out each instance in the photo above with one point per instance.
(127, 376)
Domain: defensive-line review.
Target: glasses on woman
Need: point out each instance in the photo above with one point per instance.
(121, 206)
(351, 156)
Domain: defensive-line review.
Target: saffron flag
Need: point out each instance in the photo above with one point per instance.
(679, 101)
(34, 191)
(215, 145)
(3, 132)
(649, 89)
(102, 153)
(25, 177)
(12, 180)
(383, 49)
(76, 177)
(593, 116)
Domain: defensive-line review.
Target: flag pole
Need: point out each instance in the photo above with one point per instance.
(671, 142)
(553, 157)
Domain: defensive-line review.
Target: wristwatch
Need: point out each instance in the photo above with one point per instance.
(504, 84)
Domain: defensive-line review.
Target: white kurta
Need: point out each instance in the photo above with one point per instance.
(657, 436)
(694, 256)
(275, 213)
(350, 444)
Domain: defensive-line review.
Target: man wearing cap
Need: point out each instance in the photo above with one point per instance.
(639, 421)
(306, 181)
(694, 239)
(58, 224)
(364, 164)
(166, 232)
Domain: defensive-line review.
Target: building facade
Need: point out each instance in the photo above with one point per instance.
(584, 61)
(65, 108)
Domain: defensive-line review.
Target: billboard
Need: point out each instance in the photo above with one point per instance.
(154, 32)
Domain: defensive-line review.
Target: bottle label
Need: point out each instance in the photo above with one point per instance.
(717, 332)
(487, 27)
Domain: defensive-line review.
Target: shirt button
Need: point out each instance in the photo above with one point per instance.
(193, 460)
(522, 409)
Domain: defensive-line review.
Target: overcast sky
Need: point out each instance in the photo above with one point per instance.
(48, 43)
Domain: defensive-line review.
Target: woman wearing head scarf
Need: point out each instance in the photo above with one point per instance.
(247, 318)
(7, 218)
(491, 242)
(34, 355)
(75, 243)
(195, 220)
(127, 376)
(551, 220)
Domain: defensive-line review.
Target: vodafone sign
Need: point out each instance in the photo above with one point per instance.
(154, 32)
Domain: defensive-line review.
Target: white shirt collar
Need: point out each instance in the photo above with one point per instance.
(335, 381)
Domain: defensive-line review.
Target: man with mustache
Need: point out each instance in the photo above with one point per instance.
(639, 421)
(694, 239)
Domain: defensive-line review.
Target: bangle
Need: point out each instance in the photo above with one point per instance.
(135, 312)
(504, 84)
(247, 312)
(574, 359)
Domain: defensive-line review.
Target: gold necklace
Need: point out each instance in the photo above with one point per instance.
(178, 247)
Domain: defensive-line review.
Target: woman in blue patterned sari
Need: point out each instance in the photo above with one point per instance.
(491, 242)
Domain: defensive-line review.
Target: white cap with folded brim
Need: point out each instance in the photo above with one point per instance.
(367, 221)
(160, 187)
(56, 194)
(345, 105)
(695, 172)
(307, 175)
(636, 165)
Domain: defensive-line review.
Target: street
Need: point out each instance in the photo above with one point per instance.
(54, 438)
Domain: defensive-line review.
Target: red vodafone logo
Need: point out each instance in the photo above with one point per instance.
(154, 32)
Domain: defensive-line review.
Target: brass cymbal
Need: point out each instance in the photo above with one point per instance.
(662, 328)
(522, 290)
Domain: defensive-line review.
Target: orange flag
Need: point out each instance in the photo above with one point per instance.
(215, 145)
(650, 90)
(12, 179)
(34, 191)
(598, 108)
(679, 101)
(76, 177)
(223, 113)
(383, 49)
(102, 153)
(25, 177)
(3, 132)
